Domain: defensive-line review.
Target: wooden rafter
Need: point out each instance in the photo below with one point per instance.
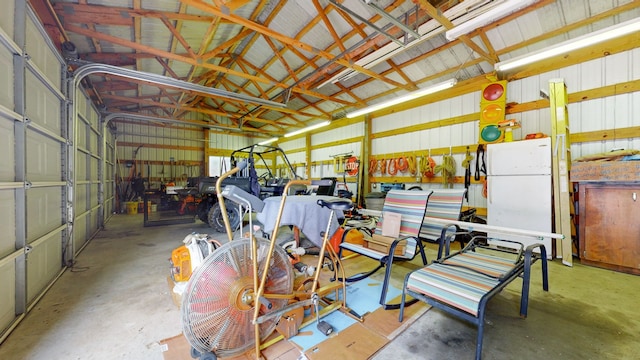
(285, 39)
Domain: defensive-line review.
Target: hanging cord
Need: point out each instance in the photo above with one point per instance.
(448, 169)
(480, 158)
(466, 164)
(392, 167)
(383, 166)
(373, 166)
(402, 164)
(428, 165)
(411, 163)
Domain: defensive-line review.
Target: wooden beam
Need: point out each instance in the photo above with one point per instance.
(285, 39)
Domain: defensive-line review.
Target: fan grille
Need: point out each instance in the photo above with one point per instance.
(214, 315)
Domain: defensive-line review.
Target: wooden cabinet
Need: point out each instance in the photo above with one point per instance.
(610, 225)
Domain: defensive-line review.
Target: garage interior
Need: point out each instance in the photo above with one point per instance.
(118, 116)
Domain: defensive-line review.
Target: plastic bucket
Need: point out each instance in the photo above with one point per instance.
(132, 207)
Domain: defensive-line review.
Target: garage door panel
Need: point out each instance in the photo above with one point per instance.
(80, 232)
(81, 199)
(43, 158)
(93, 142)
(44, 211)
(42, 55)
(6, 17)
(81, 166)
(8, 294)
(7, 222)
(82, 134)
(6, 78)
(44, 263)
(94, 169)
(94, 195)
(95, 221)
(7, 156)
(42, 106)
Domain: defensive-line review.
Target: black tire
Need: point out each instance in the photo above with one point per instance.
(216, 221)
(203, 211)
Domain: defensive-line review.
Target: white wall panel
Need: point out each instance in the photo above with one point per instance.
(297, 143)
(6, 78)
(43, 264)
(43, 211)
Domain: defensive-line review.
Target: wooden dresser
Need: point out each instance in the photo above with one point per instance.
(609, 214)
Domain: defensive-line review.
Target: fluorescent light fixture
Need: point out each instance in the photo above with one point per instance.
(595, 37)
(410, 96)
(426, 31)
(495, 13)
(308, 128)
(268, 141)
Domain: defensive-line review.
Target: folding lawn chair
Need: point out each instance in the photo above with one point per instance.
(462, 283)
(411, 205)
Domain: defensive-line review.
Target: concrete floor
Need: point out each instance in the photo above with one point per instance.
(115, 304)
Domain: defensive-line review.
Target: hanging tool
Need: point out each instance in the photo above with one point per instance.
(466, 164)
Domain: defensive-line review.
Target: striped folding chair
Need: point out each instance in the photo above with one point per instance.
(412, 206)
(462, 283)
(443, 204)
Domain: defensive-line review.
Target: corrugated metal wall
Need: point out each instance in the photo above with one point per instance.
(619, 108)
(45, 221)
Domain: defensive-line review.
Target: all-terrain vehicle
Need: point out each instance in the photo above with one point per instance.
(262, 180)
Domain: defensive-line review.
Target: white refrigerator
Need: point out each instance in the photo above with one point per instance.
(519, 188)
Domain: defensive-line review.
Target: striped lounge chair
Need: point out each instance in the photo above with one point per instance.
(462, 283)
(443, 204)
(411, 205)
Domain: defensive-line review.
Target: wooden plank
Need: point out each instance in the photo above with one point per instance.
(561, 161)
(605, 171)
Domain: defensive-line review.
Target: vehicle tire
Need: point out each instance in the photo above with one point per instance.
(203, 210)
(216, 221)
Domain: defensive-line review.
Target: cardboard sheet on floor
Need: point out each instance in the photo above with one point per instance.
(310, 335)
(363, 296)
(385, 322)
(355, 342)
(178, 348)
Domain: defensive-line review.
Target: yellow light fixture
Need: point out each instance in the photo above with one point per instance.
(410, 96)
(595, 37)
(308, 128)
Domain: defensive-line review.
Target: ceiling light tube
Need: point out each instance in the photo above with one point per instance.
(495, 13)
(426, 31)
(410, 96)
(268, 141)
(595, 37)
(308, 128)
